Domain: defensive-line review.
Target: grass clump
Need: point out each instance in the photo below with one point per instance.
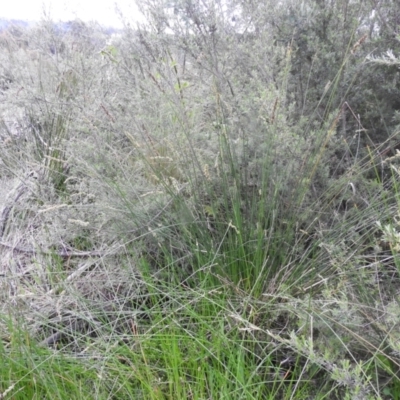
(173, 226)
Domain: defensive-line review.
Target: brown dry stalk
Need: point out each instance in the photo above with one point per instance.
(272, 119)
(63, 253)
(107, 113)
(359, 43)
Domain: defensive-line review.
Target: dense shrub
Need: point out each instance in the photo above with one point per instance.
(204, 205)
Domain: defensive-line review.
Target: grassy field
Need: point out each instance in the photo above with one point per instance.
(169, 229)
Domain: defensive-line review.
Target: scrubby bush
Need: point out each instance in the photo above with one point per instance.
(203, 206)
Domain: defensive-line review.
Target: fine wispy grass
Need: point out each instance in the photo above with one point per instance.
(168, 232)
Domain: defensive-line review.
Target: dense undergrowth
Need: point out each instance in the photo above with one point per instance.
(185, 214)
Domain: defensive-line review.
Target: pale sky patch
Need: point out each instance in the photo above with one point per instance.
(102, 11)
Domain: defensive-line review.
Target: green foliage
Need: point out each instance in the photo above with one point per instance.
(197, 209)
